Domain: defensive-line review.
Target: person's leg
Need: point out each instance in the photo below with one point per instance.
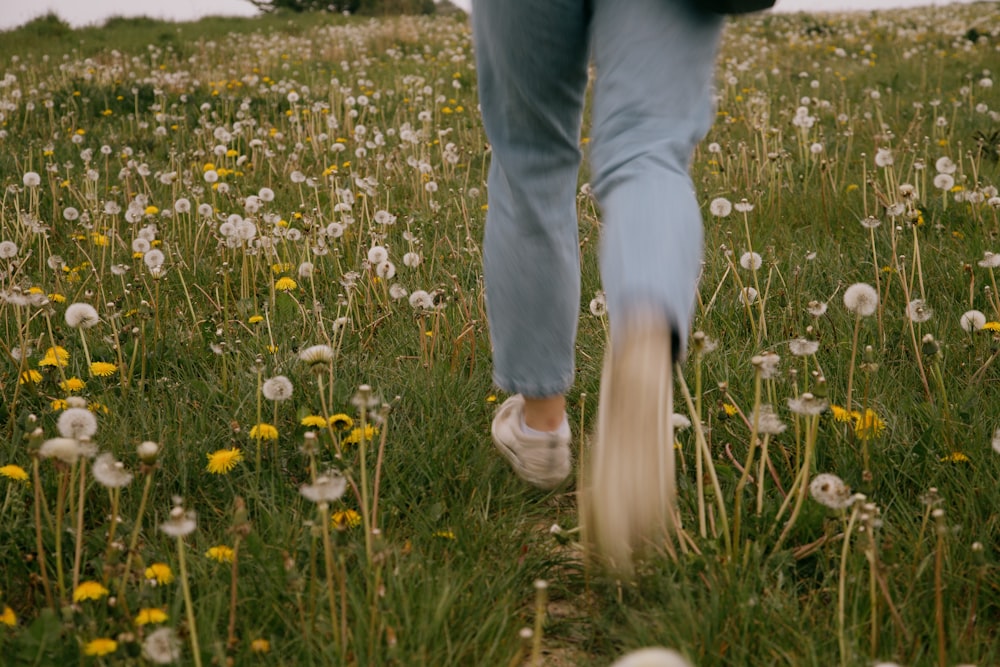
(652, 104)
(532, 69)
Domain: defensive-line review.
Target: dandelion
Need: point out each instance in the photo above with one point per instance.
(317, 356)
(917, 311)
(868, 425)
(67, 450)
(883, 157)
(356, 435)
(803, 347)
(748, 295)
(377, 254)
(159, 574)
(150, 616)
(109, 473)
(30, 377)
(599, 305)
(260, 646)
(945, 165)
(750, 261)
(31, 179)
(955, 457)
(841, 414)
(278, 388)
(103, 369)
(720, 207)
(830, 490)
(14, 472)
(871, 222)
(344, 519)
(55, 356)
(69, 385)
(220, 554)
(996, 441)
(89, 590)
(222, 461)
(8, 617)
(263, 431)
(78, 423)
(314, 421)
(180, 523)
(807, 404)
(285, 284)
(81, 316)
(944, 182)
(341, 421)
(445, 534)
(861, 299)
(328, 487)
(972, 320)
(100, 647)
(162, 647)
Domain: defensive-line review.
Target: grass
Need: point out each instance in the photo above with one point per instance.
(274, 106)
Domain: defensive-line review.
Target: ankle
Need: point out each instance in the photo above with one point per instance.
(545, 414)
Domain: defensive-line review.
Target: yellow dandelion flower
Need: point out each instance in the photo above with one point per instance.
(869, 425)
(221, 553)
(151, 210)
(445, 534)
(151, 615)
(254, 319)
(30, 377)
(260, 646)
(159, 573)
(103, 369)
(14, 472)
(991, 326)
(285, 284)
(492, 398)
(841, 414)
(852, 187)
(341, 422)
(730, 409)
(280, 267)
(99, 647)
(222, 461)
(208, 167)
(356, 435)
(55, 356)
(955, 457)
(8, 617)
(98, 407)
(58, 404)
(69, 385)
(89, 590)
(344, 519)
(56, 297)
(263, 431)
(316, 421)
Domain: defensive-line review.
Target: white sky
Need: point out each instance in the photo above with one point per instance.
(83, 12)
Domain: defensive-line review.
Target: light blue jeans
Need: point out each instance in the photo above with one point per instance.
(654, 62)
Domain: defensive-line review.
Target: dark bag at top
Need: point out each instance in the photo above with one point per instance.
(734, 6)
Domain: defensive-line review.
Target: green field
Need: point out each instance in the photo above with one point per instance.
(189, 210)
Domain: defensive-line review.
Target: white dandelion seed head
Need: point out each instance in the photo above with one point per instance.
(768, 422)
(871, 222)
(162, 647)
(385, 270)
(266, 194)
(205, 210)
(140, 245)
(421, 300)
(680, 422)
(148, 451)
(8, 249)
(599, 305)
(648, 657)
(861, 299)
(377, 254)
(803, 347)
(720, 207)
(972, 320)
(327, 488)
(78, 423)
(807, 404)
(182, 205)
(743, 206)
(996, 441)
(278, 388)
(918, 311)
(748, 295)
(297, 177)
(109, 472)
(181, 522)
(31, 179)
(945, 165)
(907, 191)
(154, 259)
(397, 291)
(816, 308)
(67, 450)
(412, 260)
(990, 260)
(334, 230)
(944, 181)
(830, 490)
(317, 355)
(750, 261)
(883, 157)
(81, 315)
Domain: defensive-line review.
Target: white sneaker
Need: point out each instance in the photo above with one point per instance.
(629, 488)
(541, 460)
(652, 657)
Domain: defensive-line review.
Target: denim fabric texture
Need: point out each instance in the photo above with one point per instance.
(652, 103)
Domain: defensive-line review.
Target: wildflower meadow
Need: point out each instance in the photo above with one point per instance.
(245, 379)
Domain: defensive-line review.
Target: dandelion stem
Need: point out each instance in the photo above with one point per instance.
(136, 529)
(188, 604)
(324, 513)
(842, 587)
(39, 544)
